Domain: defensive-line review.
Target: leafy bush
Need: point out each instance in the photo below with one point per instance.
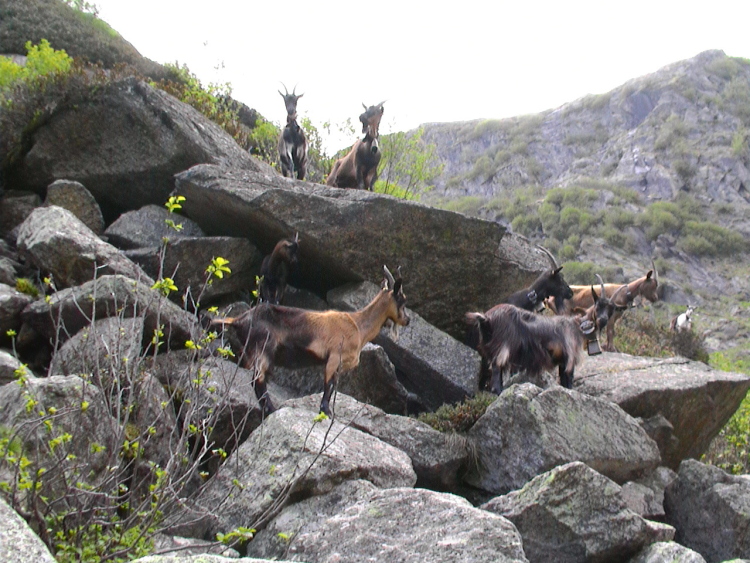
(461, 416)
(409, 166)
(41, 60)
(660, 218)
(579, 273)
(468, 205)
(730, 450)
(707, 239)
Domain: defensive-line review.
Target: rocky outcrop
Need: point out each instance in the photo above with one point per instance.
(348, 235)
(157, 136)
(573, 514)
(410, 525)
(695, 399)
(74, 197)
(58, 243)
(147, 227)
(18, 542)
(528, 431)
(710, 510)
(284, 458)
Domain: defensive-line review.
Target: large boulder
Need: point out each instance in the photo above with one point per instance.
(409, 526)
(59, 243)
(18, 542)
(272, 541)
(434, 366)
(438, 458)
(573, 514)
(710, 510)
(451, 263)
(373, 381)
(12, 302)
(293, 455)
(213, 395)
(74, 197)
(157, 136)
(186, 259)
(673, 552)
(527, 431)
(69, 310)
(147, 227)
(696, 399)
(68, 409)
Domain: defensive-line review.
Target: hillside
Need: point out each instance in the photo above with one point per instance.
(657, 168)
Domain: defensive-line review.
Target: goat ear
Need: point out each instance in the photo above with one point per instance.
(594, 295)
(650, 273)
(557, 271)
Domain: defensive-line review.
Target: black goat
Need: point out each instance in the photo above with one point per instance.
(276, 268)
(359, 168)
(511, 339)
(292, 141)
(549, 284)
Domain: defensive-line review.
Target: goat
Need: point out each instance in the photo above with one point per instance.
(275, 270)
(684, 321)
(644, 287)
(514, 339)
(292, 141)
(274, 335)
(549, 284)
(359, 168)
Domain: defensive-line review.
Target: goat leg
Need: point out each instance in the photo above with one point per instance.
(264, 399)
(327, 392)
(566, 378)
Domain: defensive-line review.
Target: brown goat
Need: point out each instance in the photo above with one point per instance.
(276, 268)
(292, 141)
(359, 168)
(511, 339)
(274, 335)
(645, 287)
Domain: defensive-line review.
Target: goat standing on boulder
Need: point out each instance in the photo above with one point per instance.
(512, 339)
(359, 168)
(292, 142)
(285, 336)
(276, 268)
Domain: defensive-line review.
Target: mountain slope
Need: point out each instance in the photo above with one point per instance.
(655, 169)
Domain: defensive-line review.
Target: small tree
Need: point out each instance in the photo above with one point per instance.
(409, 165)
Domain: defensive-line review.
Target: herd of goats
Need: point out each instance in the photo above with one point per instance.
(546, 325)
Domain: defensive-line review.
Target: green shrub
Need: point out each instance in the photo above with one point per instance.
(468, 205)
(461, 416)
(42, 60)
(25, 285)
(526, 225)
(707, 239)
(660, 218)
(579, 273)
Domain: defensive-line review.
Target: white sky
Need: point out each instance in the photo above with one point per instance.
(431, 61)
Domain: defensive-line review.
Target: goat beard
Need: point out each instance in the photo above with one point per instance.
(392, 329)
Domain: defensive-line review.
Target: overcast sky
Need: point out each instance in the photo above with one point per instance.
(430, 61)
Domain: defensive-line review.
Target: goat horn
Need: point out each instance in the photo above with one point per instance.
(364, 106)
(617, 293)
(601, 282)
(296, 236)
(549, 255)
(656, 274)
(285, 90)
(389, 277)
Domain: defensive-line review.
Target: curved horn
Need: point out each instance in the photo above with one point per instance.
(296, 236)
(389, 276)
(549, 255)
(617, 294)
(601, 283)
(285, 90)
(656, 274)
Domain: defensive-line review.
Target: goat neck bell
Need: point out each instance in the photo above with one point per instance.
(588, 328)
